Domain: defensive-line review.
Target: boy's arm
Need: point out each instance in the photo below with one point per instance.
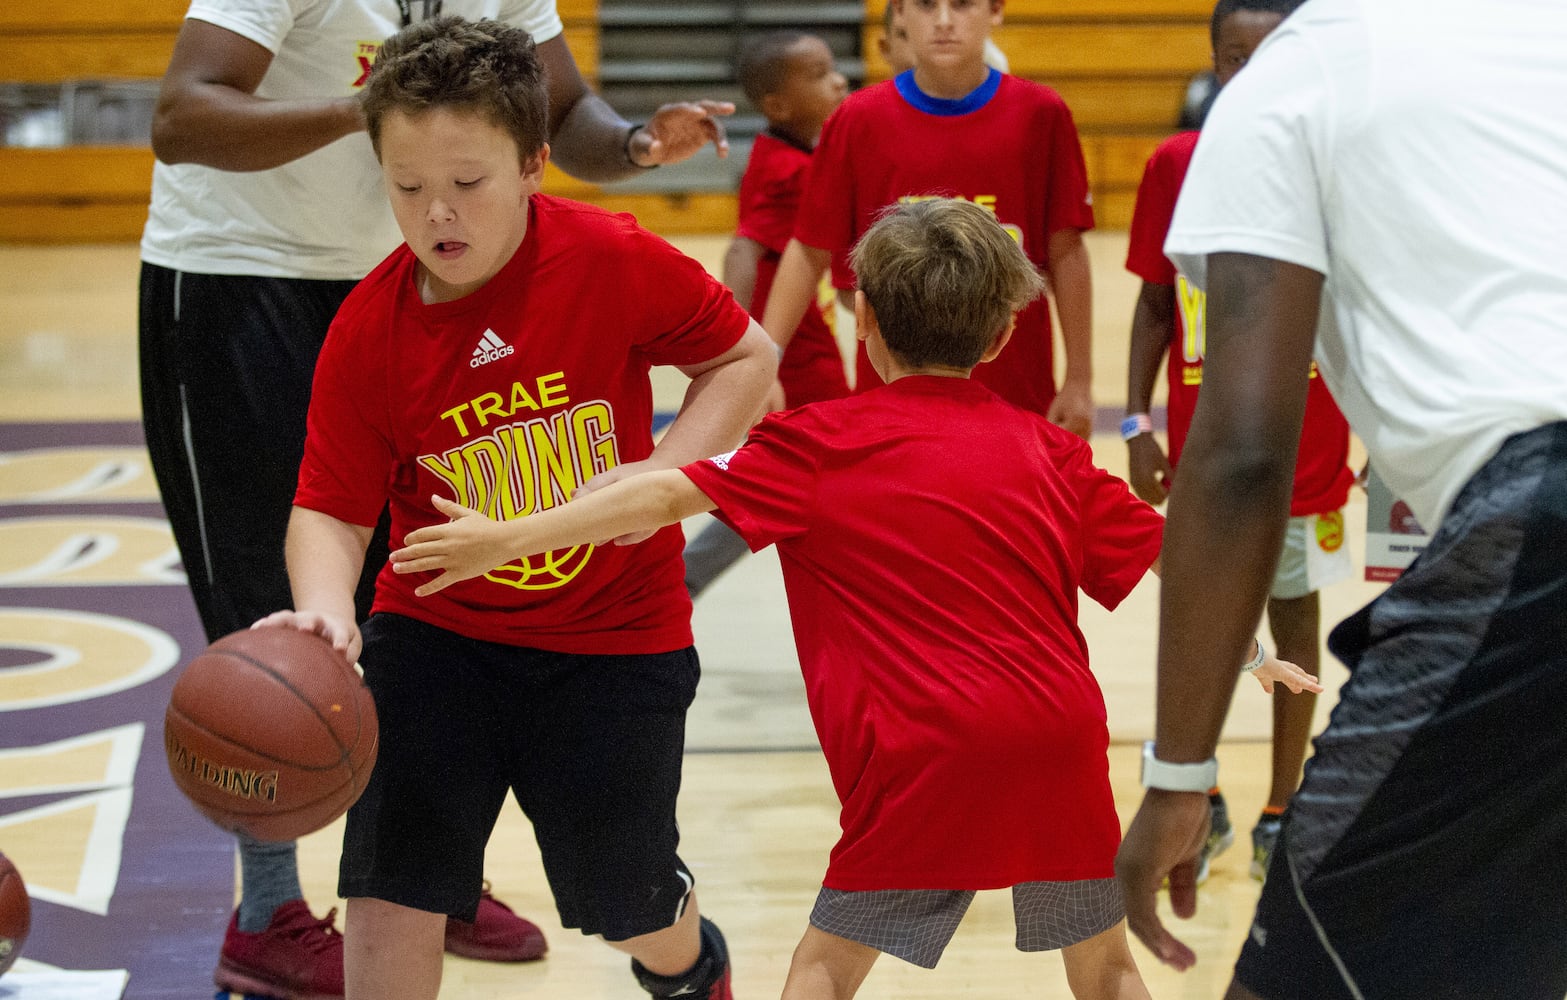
(720, 405)
(740, 263)
(1153, 326)
(471, 543)
(325, 557)
(793, 291)
(1072, 282)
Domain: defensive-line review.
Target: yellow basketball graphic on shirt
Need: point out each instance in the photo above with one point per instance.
(544, 571)
(1330, 531)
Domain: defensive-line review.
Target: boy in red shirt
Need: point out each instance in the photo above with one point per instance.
(954, 127)
(1169, 319)
(933, 539)
(790, 77)
(501, 356)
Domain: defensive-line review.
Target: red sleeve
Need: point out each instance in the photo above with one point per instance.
(685, 315)
(770, 194)
(349, 457)
(1155, 207)
(767, 490)
(1068, 201)
(1121, 535)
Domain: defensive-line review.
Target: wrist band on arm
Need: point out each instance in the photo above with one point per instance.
(1136, 425)
(1256, 661)
(625, 148)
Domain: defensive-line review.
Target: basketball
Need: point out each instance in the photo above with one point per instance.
(16, 914)
(270, 732)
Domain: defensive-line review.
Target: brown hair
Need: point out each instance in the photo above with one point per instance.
(448, 62)
(944, 279)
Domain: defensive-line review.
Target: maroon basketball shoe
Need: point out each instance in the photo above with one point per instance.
(298, 957)
(496, 935)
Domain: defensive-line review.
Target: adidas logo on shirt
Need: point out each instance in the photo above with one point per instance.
(491, 348)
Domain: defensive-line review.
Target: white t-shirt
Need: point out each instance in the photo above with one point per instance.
(1415, 153)
(325, 215)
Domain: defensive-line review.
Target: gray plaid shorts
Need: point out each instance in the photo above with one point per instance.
(916, 924)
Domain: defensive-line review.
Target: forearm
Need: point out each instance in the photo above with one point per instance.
(590, 141)
(1072, 281)
(217, 126)
(740, 262)
(641, 503)
(721, 403)
(1153, 326)
(794, 289)
(325, 557)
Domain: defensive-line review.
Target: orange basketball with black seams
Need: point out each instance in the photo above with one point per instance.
(16, 914)
(271, 732)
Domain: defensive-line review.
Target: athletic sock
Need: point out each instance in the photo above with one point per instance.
(268, 878)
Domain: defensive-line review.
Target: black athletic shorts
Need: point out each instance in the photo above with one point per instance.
(1425, 855)
(591, 747)
(226, 368)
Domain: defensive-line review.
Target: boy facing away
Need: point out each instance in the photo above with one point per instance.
(501, 356)
(1170, 318)
(933, 539)
(954, 127)
(790, 77)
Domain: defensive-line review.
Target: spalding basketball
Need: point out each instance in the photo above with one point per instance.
(271, 732)
(16, 914)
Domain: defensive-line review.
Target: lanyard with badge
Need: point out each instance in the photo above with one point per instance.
(432, 8)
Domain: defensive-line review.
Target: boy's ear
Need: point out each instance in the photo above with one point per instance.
(774, 108)
(864, 317)
(1001, 341)
(533, 167)
(997, 7)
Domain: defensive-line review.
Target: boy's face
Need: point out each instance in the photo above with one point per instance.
(1239, 36)
(947, 34)
(459, 194)
(812, 88)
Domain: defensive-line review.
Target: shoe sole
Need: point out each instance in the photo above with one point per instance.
(232, 979)
(481, 953)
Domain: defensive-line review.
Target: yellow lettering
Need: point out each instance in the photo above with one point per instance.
(593, 433)
(558, 474)
(520, 399)
(449, 472)
(518, 497)
(1194, 316)
(552, 389)
(987, 202)
(455, 416)
(488, 405)
(486, 466)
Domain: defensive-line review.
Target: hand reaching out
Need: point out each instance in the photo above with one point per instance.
(468, 545)
(1276, 671)
(677, 131)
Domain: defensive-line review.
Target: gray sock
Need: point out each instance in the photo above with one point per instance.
(268, 878)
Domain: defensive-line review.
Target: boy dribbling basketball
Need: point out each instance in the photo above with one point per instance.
(933, 539)
(501, 356)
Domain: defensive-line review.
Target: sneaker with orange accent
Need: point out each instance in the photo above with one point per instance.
(298, 957)
(497, 934)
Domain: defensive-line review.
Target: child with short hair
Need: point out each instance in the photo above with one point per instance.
(1170, 320)
(501, 356)
(954, 127)
(790, 77)
(933, 539)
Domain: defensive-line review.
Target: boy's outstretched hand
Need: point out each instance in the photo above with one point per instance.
(467, 546)
(1276, 671)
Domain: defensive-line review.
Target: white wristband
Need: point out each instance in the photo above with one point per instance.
(1256, 661)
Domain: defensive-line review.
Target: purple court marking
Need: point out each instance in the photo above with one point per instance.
(176, 883)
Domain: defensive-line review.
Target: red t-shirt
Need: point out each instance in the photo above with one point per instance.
(507, 400)
(1322, 473)
(1010, 146)
(933, 540)
(812, 368)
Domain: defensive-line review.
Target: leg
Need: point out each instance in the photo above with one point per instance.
(1102, 968)
(671, 951)
(827, 967)
(1294, 623)
(392, 952)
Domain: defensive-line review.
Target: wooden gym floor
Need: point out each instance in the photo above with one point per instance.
(758, 814)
